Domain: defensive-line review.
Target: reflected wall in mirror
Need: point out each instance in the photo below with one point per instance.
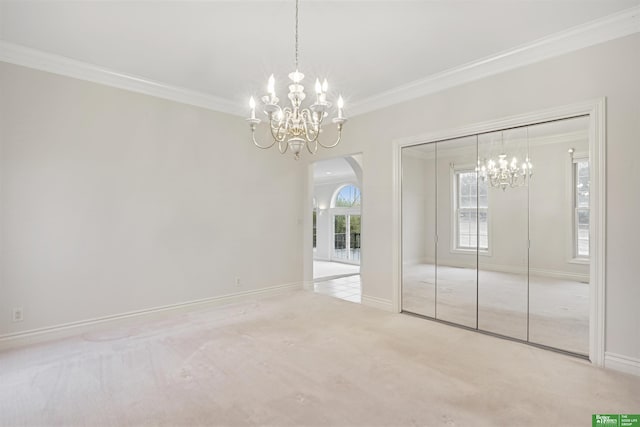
(506, 253)
(419, 229)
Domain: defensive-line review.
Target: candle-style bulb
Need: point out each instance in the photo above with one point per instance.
(252, 104)
(271, 85)
(340, 105)
(318, 87)
(325, 85)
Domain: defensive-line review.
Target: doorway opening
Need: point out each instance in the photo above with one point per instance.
(337, 226)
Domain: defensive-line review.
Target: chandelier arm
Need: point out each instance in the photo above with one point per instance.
(256, 143)
(278, 132)
(309, 135)
(280, 145)
(315, 146)
(277, 136)
(337, 140)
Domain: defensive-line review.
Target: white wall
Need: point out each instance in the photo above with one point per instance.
(113, 201)
(610, 69)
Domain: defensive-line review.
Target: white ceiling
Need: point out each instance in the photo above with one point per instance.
(332, 169)
(228, 48)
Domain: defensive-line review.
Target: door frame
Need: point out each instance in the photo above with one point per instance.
(596, 110)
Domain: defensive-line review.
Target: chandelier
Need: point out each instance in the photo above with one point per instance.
(502, 173)
(295, 127)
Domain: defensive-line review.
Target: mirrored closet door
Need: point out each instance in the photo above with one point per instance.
(495, 233)
(503, 258)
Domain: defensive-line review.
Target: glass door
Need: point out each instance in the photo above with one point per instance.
(346, 238)
(339, 237)
(354, 229)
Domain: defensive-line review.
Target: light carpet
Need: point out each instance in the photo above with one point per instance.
(301, 359)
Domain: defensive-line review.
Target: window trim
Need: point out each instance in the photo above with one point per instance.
(454, 170)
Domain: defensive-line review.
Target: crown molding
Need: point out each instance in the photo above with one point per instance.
(578, 136)
(601, 30)
(32, 58)
(610, 27)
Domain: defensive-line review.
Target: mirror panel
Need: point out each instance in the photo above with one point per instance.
(559, 230)
(418, 229)
(510, 257)
(503, 230)
(457, 239)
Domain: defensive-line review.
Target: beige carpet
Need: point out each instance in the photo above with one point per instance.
(302, 359)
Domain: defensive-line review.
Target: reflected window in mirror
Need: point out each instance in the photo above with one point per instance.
(580, 172)
(471, 210)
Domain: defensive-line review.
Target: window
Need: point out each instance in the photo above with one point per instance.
(348, 197)
(315, 228)
(471, 211)
(581, 207)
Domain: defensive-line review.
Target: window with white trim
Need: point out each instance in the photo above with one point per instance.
(471, 226)
(581, 207)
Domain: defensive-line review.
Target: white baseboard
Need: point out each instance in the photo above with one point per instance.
(418, 261)
(622, 363)
(379, 303)
(557, 274)
(33, 336)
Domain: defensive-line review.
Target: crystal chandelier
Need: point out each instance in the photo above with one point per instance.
(295, 127)
(502, 173)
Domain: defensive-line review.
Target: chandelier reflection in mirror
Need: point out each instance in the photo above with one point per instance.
(296, 127)
(503, 173)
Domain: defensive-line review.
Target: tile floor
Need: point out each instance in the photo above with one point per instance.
(326, 269)
(346, 288)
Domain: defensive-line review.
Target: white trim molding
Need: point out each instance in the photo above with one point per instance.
(596, 110)
(379, 303)
(618, 362)
(608, 28)
(33, 336)
(32, 58)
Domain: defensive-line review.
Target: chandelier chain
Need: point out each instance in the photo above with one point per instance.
(297, 1)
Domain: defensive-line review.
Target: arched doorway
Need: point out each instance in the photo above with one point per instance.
(337, 226)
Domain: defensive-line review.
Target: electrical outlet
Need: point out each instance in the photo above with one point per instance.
(237, 281)
(18, 314)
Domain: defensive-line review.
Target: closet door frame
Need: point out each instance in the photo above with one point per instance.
(596, 110)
